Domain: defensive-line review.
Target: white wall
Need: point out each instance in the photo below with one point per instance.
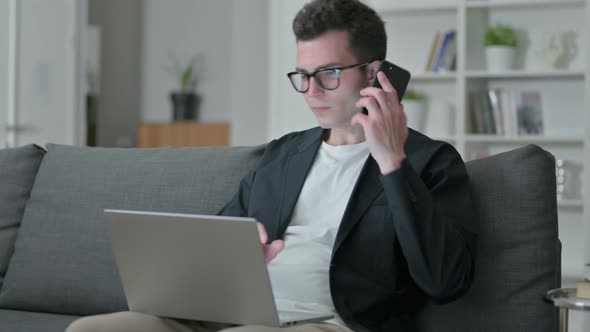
(4, 22)
(249, 73)
(232, 36)
(184, 28)
(288, 110)
(586, 192)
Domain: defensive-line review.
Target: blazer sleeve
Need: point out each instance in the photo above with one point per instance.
(433, 219)
(238, 206)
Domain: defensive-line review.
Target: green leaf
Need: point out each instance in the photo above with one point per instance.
(414, 95)
(186, 78)
(500, 35)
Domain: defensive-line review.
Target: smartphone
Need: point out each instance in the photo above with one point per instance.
(398, 77)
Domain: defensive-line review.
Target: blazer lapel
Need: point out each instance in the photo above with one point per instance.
(366, 190)
(296, 169)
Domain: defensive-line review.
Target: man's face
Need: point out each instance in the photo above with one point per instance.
(332, 108)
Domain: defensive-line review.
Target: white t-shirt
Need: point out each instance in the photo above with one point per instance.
(299, 274)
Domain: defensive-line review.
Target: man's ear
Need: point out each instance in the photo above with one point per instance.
(373, 67)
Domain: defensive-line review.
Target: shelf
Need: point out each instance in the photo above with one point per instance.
(448, 76)
(390, 7)
(474, 138)
(521, 3)
(565, 101)
(571, 203)
(524, 74)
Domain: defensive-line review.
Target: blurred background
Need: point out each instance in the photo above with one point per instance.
(92, 72)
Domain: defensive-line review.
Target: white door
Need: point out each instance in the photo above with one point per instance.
(42, 101)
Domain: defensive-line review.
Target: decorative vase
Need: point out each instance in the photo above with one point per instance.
(568, 174)
(499, 58)
(91, 115)
(415, 113)
(185, 105)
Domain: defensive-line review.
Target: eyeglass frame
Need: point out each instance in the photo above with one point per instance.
(339, 70)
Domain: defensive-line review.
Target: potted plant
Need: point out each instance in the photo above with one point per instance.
(185, 100)
(500, 42)
(415, 109)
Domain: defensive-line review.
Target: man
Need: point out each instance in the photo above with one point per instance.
(361, 217)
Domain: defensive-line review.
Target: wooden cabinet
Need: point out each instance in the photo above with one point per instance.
(182, 133)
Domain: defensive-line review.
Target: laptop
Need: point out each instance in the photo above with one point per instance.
(196, 267)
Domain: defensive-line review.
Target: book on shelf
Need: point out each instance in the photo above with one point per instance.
(508, 109)
(487, 115)
(530, 116)
(476, 114)
(493, 97)
(449, 54)
(433, 51)
(443, 52)
(505, 112)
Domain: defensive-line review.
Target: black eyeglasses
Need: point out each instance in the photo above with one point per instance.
(327, 78)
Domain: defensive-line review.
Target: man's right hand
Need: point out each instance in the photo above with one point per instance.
(270, 250)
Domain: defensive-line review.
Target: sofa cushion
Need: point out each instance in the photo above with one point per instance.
(63, 261)
(518, 257)
(22, 321)
(18, 168)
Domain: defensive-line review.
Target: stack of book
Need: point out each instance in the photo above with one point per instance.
(443, 53)
(505, 112)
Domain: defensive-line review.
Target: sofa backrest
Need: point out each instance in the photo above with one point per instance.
(63, 261)
(18, 168)
(518, 257)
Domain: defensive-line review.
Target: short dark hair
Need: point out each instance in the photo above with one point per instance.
(366, 30)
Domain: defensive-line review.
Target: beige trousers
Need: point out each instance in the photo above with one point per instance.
(136, 322)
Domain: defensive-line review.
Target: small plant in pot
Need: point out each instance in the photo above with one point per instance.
(500, 42)
(415, 109)
(185, 100)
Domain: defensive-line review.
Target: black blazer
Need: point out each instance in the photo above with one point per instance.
(405, 237)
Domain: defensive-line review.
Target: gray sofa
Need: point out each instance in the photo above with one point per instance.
(56, 263)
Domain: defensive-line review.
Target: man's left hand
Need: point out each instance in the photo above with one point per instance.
(386, 129)
(270, 250)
